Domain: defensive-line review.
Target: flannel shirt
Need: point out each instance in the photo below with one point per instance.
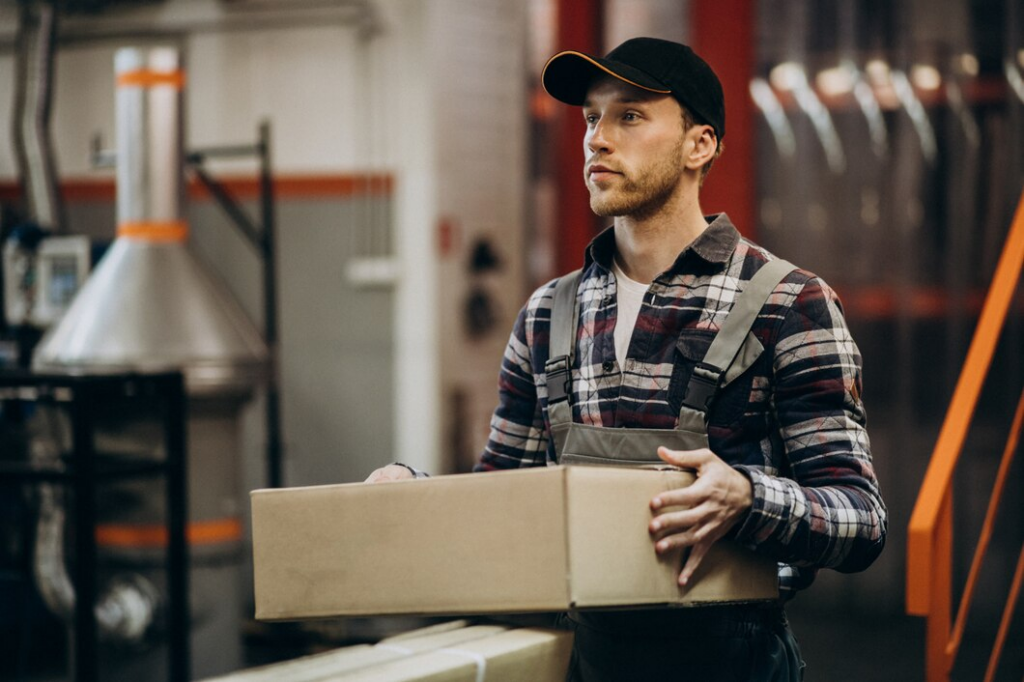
(793, 422)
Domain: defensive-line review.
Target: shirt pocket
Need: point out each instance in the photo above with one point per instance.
(733, 398)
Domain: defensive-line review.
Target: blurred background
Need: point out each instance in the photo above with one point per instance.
(371, 189)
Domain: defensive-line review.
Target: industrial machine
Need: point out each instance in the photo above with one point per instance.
(148, 307)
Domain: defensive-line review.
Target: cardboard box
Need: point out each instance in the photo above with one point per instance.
(330, 664)
(543, 539)
(525, 655)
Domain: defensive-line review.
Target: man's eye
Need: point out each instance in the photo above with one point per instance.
(591, 119)
(630, 116)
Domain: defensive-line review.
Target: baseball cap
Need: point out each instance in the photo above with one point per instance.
(648, 63)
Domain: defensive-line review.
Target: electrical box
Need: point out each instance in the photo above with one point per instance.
(40, 283)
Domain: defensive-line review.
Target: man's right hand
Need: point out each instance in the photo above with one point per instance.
(392, 472)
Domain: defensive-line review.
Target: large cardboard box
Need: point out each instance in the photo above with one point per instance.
(477, 653)
(347, 660)
(544, 539)
(526, 655)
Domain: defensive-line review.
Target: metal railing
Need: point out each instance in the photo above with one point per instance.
(930, 541)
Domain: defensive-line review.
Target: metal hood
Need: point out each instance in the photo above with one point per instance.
(149, 304)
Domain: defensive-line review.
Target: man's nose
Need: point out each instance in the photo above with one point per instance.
(599, 139)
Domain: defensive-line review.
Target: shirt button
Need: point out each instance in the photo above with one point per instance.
(608, 365)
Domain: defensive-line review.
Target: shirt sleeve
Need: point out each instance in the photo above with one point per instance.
(518, 436)
(827, 512)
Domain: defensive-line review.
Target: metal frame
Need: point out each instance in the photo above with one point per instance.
(930, 532)
(262, 238)
(82, 394)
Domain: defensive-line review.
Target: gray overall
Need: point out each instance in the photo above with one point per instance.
(707, 643)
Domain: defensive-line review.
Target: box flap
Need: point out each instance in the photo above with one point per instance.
(608, 503)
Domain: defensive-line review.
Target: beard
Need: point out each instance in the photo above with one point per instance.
(642, 192)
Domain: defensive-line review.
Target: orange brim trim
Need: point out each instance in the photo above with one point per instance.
(149, 536)
(145, 78)
(605, 69)
(155, 230)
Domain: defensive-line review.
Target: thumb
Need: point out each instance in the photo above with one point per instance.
(684, 459)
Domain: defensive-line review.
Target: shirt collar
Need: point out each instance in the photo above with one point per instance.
(714, 245)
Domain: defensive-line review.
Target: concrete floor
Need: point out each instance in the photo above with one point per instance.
(856, 648)
(859, 649)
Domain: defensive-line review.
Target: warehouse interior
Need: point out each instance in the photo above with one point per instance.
(363, 193)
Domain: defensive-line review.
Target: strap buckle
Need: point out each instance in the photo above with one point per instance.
(559, 379)
(703, 386)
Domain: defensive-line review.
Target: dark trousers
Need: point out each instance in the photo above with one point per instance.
(702, 644)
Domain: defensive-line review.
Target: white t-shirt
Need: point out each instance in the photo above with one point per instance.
(630, 297)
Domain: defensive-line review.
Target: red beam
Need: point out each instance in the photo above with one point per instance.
(722, 32)
(580, 27)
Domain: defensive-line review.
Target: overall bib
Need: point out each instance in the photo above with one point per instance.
(743, 643)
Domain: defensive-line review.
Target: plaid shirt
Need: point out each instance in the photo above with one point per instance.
(793, 422)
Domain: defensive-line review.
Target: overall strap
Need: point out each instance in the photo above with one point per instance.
(561, 347)
(708, 373)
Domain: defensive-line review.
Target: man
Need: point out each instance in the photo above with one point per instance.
(696, 348)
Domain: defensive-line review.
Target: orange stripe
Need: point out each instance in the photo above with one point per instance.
(155, 230)
(605, 69)
(145, 78)
(211, 532)
(299, 186)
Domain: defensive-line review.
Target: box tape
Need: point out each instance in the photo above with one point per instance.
(480, 660)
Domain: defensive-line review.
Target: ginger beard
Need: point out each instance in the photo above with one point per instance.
(638, 192)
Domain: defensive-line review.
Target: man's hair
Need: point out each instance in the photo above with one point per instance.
(689, 122)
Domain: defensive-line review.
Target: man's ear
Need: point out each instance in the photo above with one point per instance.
(704, 146)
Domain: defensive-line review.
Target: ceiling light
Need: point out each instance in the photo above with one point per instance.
(969, 64)
(835, 81)
(925, 77)
(787, 76)
(878, 71)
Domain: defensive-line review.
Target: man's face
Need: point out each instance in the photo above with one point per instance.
(634, 148)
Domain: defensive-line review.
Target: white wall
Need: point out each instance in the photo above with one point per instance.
(434, 96)
(307, 80)
(481, 156)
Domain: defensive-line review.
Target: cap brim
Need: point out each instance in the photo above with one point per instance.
(568, 76)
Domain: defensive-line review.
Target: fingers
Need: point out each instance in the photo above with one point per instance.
(697, 554)
(686, 459)
(698, 539)
(704, 511)
(389, 473)
(689, 496)
(680, 521)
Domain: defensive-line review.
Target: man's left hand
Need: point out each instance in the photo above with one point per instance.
(715, 502)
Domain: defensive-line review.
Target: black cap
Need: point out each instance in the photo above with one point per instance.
(648, 63)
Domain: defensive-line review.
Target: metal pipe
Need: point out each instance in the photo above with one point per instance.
(147, 24)
(37, 28)
(275, 452)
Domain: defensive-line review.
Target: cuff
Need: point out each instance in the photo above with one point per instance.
(415, 472)
(766, 509)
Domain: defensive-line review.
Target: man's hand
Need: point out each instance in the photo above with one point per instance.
(712, 505)
(392, 472)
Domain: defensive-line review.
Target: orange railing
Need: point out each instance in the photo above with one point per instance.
(930, 542)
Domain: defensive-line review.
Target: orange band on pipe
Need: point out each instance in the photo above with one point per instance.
(155, 230)
(145, 78)
(213, 532)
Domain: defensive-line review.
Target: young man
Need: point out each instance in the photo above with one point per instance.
(682, 342)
